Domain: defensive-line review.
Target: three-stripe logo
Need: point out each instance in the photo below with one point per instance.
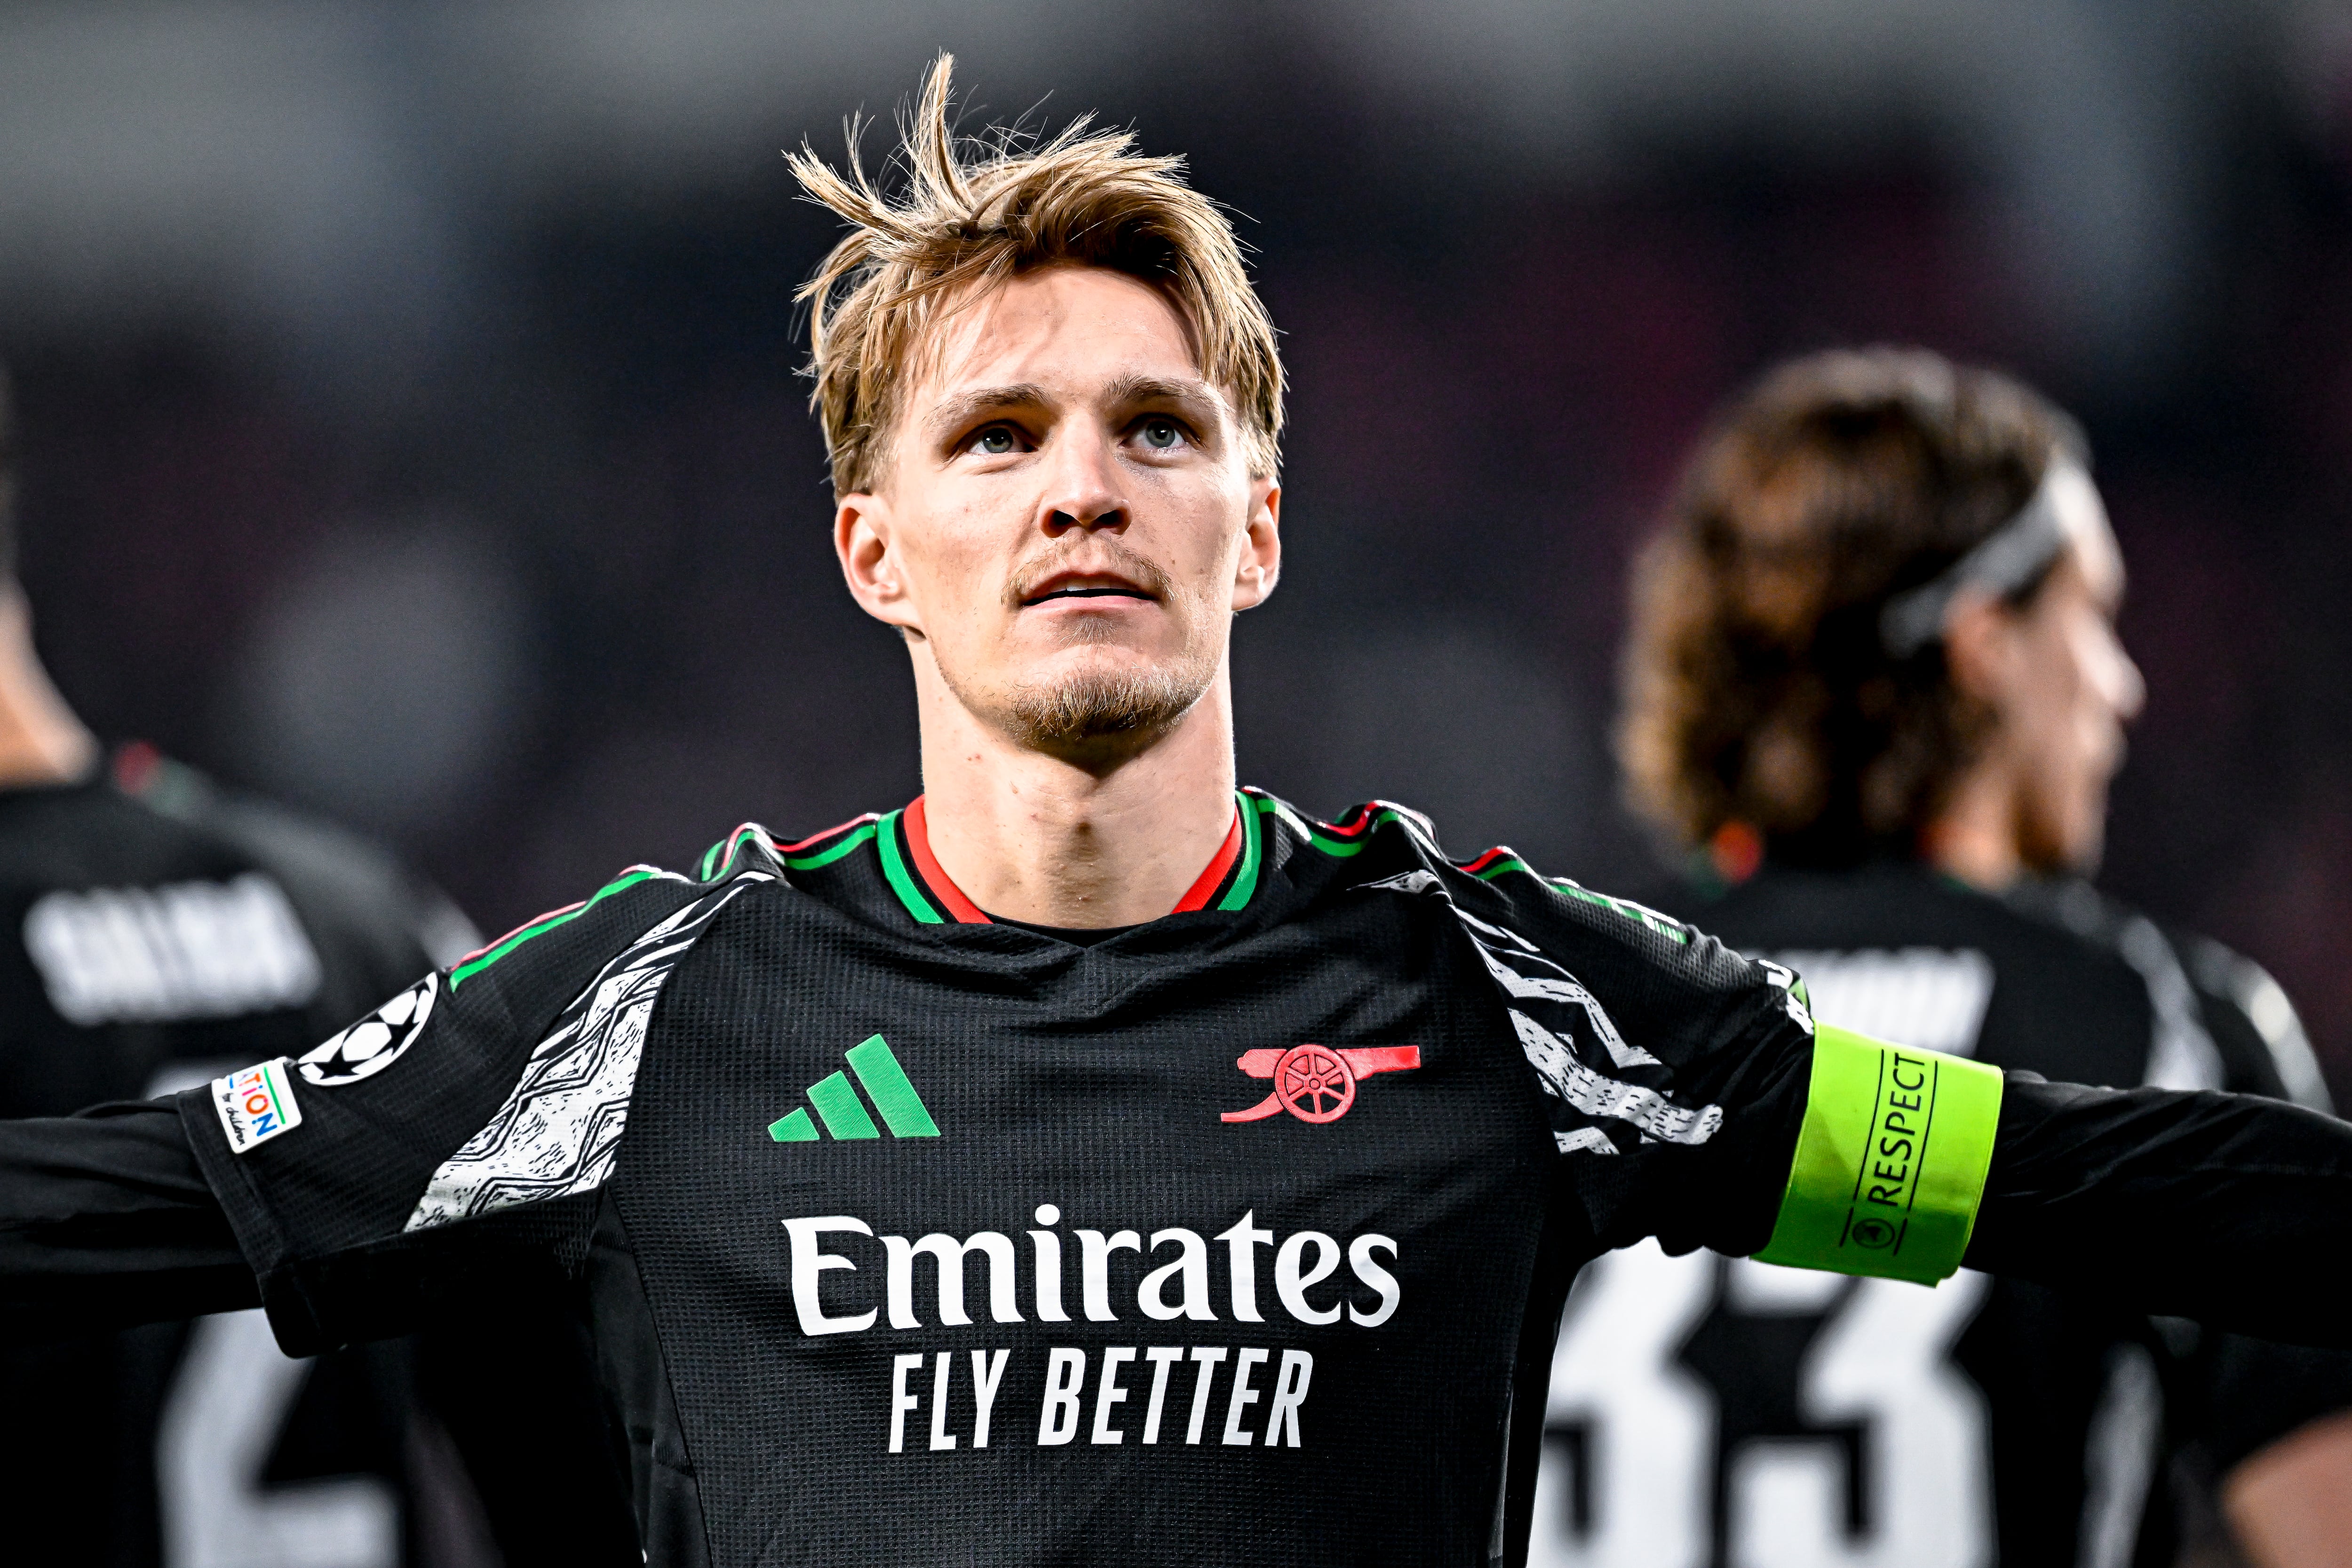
(843, 1114)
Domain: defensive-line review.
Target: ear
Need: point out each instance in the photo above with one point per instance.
(1259, 565)
(862, 538)
(1981, 648)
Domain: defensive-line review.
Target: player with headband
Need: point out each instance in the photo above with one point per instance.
(1873, 674)
(920, 1175)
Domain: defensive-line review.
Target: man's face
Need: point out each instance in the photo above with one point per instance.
(1066, 523)
(2073, 689)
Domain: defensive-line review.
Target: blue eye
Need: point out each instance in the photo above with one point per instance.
(1160, 434)
(995, 441)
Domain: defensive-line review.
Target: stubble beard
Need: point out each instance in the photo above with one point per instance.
(1093, 712)
(1090, 707)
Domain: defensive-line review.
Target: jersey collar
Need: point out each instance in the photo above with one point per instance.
(931, 896)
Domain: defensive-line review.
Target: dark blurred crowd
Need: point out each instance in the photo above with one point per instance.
(556, 596)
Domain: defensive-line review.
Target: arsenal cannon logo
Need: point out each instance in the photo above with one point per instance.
(1318, 1083)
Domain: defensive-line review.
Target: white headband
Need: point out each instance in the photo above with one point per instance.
(2004, 561)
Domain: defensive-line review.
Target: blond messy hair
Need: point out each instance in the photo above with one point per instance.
(976, 214)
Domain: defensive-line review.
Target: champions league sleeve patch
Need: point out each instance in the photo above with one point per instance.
(255, 1105)
(375, 1042)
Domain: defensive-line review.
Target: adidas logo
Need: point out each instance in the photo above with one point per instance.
(843, 1114)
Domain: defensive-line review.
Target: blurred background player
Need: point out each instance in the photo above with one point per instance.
(1873, 676)
(152, 928)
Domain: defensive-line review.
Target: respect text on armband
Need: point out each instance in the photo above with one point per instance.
(1902, 1119)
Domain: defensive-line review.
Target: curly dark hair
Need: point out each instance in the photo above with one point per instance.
(1758, 691)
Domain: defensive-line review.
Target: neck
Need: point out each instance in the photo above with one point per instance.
(1975, 837)
(41, 741)
(1038, 839)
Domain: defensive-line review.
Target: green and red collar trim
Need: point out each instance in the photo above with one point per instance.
(1341, 839)
(942, 892)
(904, 840)
(813, 853)
(1495, 863)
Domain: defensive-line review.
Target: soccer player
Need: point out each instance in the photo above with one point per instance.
(1872, 649)
(158, 931)
(1090, 1160)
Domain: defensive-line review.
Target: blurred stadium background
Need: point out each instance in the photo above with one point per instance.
(411, 430)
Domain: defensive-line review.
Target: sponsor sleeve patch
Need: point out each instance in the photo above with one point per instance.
(1891, 1162)
(255, 1105)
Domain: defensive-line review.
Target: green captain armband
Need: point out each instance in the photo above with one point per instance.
(1891, 1162)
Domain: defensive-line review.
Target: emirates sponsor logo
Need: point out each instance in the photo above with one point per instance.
(1170, 1277)
(1181, 1284)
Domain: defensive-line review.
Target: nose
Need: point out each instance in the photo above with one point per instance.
(1059, 522)
(2126, 689)
(2133, 695)
(1082, 489)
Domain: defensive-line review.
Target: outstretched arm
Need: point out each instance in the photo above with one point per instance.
(106, 1221)
(400, 1171)
(2235, 1210)
(2227, 1208)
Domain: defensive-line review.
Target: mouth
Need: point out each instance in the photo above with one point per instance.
(1088, 585)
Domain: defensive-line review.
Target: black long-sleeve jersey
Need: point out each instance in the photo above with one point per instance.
(1765, 1414)
(1239, 1235)
(160, 932)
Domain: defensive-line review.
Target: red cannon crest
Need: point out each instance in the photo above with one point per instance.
(1318, 1083)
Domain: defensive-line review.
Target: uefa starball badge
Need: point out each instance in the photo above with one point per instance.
(1318, 1083)
(375, 1043)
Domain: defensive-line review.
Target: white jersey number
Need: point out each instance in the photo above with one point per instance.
(1636, 1461)
(230, 1400)
(235, 1390)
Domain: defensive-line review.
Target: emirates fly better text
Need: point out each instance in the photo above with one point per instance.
(1236, 1395)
